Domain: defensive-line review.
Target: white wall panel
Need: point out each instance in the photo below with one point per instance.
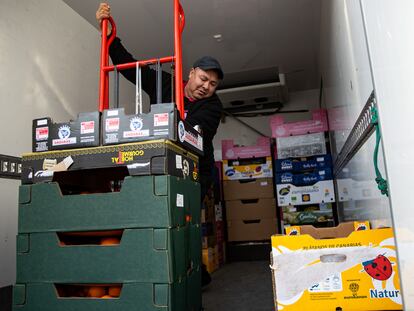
(389, 26)
(49, 60)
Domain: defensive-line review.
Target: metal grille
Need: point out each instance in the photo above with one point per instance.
(10, 167)
(359, 134)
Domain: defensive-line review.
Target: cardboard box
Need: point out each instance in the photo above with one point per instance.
(79, 133)
(155, 157)
(357, 190)
(218, 184)
(230, 151)
(301, 146)
(320, 192)
(356, 271)
(210, 259)
(162, 122)
(248, 189)
(313, 214)
(247, 168)
(319, 123)
(251, 209)
(218, 212)
(304, 179)
(304, 164)
(251, 230)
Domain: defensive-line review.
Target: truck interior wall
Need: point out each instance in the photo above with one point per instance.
(49, 59)
(345, 68)
(242, 135)
(389, 27)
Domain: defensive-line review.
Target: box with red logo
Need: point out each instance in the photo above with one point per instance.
(162, 122)
(79, 133)
(319, 123)
(231, 151)
(349, 267)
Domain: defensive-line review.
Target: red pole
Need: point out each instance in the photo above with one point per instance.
(179, 23)
(104, 76)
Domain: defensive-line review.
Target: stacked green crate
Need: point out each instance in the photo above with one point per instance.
(157, 261)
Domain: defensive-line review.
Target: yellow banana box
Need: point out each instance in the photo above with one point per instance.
(356, 272)
(247, 168)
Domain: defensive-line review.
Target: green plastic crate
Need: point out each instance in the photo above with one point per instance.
(134, 297)
(194, 246)
(143, 255)
(143, 202)
(194, 290)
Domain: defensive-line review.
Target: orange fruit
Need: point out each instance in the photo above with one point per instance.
(96, 291)
(106, 297)
(110, 241)
(115, 291)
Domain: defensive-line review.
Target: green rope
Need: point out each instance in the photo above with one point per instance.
(381, 182)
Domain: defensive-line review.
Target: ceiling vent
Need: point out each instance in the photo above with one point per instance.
(256, 96)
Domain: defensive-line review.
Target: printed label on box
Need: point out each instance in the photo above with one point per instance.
(42, 133)
(64, 141)
(87, 127)
(112, 125)
(180, 200)
(178, 161)
(41, 122)
(161, 119)
(130, 134)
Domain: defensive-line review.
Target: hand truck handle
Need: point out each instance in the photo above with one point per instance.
(104, 76)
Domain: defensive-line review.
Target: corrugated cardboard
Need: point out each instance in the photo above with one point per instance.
(251, 230)
(251, 209)
(248, 189)
(358, 271)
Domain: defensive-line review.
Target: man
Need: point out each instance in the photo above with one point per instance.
(202, 105)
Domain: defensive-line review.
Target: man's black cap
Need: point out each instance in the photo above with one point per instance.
(209, 63)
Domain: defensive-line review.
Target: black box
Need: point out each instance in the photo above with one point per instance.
(79, 133)
(162, 122)
(156, 157)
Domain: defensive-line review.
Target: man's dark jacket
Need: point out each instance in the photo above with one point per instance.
(205, 112)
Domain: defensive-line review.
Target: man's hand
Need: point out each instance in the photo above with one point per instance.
(104, 11)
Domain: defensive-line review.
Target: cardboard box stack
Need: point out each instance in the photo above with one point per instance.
(213, 242)
(209, 238)
(219, 214)
(248, 191)
(303, 171)
(348, 267)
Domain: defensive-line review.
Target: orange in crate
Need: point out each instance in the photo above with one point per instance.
(110, 241)
(96, 291)
(114, 291)
(107, 297)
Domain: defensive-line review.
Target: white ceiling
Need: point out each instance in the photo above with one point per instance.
(258, 36)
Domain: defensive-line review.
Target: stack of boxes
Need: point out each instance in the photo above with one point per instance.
(209, 237)
(212, 222)
(134, 247)
(219, 213)
(248, 191)
(304, 181)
